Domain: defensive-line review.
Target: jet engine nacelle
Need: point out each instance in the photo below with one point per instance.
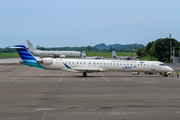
(46, 61)
(62, 56)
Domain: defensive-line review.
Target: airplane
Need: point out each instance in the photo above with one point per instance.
(122, 58)
(84, 56)
(133, 50)
(89, 65)
(54, 54)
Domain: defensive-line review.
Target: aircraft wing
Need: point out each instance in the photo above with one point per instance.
(54, 55)
(81, 70)
(87, 70)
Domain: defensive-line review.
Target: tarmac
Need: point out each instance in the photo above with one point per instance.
(28, 93)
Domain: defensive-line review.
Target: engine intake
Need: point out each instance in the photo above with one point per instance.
(45, 61)
(62, 56)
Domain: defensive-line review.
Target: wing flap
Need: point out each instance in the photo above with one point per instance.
(87, 70)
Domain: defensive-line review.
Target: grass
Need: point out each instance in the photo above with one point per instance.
(103, 54)
(108, 54)
(8, 55)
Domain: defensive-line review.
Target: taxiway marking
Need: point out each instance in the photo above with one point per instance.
(125, 76)
(51, 96)
(104, 77)
(40, 76)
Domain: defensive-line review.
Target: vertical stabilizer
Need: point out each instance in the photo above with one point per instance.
(27, 57)
(114, 54)
(31, 47)
(23, 52)
(83, 54)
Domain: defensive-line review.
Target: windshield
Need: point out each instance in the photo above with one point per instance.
(162, 64)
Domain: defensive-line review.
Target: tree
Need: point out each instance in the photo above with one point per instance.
(89, 48)
(148, 46)
(141, 52)
(162, 48)
(152, 52)
(111, 49)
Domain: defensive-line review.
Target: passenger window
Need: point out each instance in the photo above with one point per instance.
(77, 62)
(114, 63)
(84, 63)
(104, 63)
(110, 63)
(117, 63)
(107, 63)
(69, 62)
(144, 64)
(80, 62)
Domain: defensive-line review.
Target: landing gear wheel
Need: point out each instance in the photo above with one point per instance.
(84, 74)
(165, 75)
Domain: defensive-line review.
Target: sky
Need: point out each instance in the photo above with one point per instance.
(76, 23)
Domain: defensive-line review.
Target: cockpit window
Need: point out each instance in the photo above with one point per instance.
(162, 64)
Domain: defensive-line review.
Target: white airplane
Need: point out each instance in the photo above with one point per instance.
(122, 57)
(89, 65)
(84, 56)
(54, 54)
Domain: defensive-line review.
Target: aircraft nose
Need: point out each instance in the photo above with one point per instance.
(171, 69)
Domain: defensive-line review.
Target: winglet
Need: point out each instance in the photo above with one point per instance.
(67, 66)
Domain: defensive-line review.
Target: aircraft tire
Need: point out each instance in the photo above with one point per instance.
(84, 74)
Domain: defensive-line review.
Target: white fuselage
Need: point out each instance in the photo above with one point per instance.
(107, 65)
(56, 53)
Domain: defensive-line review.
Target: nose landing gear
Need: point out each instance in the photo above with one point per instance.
(84, 74)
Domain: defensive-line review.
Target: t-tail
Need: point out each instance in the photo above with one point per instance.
(83, 54)
(114, 54)
(31, 46)
(27, 57)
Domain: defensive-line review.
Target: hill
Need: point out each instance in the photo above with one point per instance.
(118, 46)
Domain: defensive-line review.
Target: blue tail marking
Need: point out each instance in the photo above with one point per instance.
(27, 57)
(23, 52)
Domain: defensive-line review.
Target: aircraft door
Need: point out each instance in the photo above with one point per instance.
(153, 66)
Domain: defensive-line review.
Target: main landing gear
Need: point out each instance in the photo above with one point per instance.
(165, 74)
(84, 74)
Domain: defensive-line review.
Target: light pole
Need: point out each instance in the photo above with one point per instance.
(170, 47)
